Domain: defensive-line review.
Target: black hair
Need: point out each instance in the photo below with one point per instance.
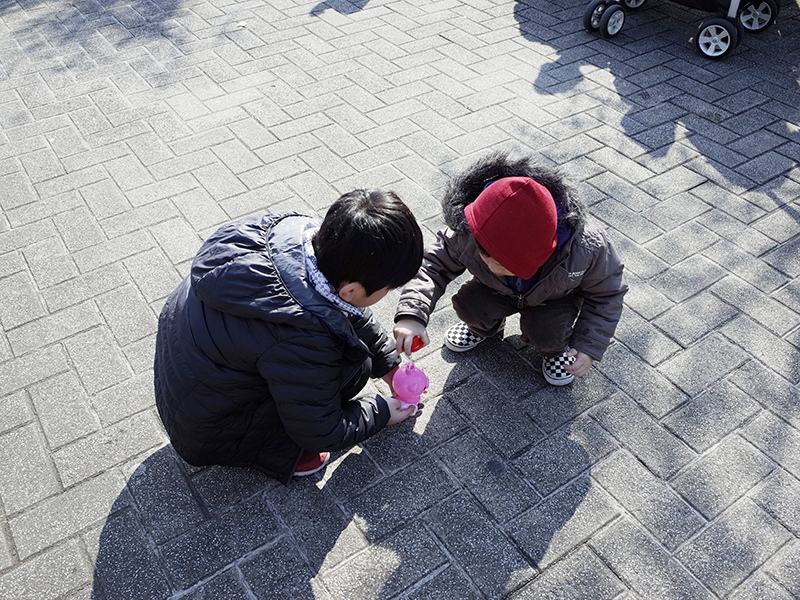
(465, 188)
(369, 237)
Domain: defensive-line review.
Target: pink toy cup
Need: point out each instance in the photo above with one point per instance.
(409, 383)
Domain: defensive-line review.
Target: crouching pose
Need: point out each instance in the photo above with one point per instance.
(524, 236)
(262, 350)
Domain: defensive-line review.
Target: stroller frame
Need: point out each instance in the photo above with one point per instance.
(716, 37)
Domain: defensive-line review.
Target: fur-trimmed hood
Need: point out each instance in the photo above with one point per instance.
(465, 188)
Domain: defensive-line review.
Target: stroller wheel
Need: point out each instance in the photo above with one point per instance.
(612, 21)
(717, 37)
(594, 12)
(634, 4)
(758, 15)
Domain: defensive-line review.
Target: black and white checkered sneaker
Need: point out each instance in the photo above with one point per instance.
(553, 369)
(460, 339)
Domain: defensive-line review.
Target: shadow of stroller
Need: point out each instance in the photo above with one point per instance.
(462, 501)
(660, 107)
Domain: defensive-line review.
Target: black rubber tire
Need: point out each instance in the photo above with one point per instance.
(758, 15)
(716, 38)
(593, 14)
(612, 21)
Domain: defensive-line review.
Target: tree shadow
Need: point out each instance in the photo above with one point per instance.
(344, 7)
(94, 31)
(660, 104)
(470, 499)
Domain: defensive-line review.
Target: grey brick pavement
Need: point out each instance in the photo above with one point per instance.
(131, 129)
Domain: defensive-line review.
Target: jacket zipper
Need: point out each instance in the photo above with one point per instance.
(521, 298)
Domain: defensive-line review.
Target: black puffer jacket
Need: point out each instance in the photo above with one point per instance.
(253, 366)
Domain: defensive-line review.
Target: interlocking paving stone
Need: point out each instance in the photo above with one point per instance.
(644, 566)
(551, 407)
(654, 504)
(163, 497)
(777, 439)
(705, 420)
(689, 321)
(228, 585)
(60, 517)
(769, 389)
(688, 278)
(26, 473)
(488, 476)
(19, 301)
(662, 453)
(78, 229)
(97, 359)
(333, 537)
(279, 571)
(129, 133)
(757, 305)
(85, 286)
(760, 587)
(640, 381)
(417, 488)
(780, 356)
(487, 408)
(14, 411)
(581, 576)
(466, 535)
(561, 457)
(785, 568)
(64, 409)
(398, 562)
(722, 476)
(562, 522)
(110, 446)
(682, 242)
(743, 264)
(436, 422)
(705, 363)
(733, 547)
(219, 541)
(778, 496)
(642, 337)
(448, 583)
(53, 573)
(644, 299)
(126, 565)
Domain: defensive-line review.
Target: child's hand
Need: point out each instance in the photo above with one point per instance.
(405, 330)
(583, 362)
(399, 411)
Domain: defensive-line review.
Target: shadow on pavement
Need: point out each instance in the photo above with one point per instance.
(670, 107)
(462, 501)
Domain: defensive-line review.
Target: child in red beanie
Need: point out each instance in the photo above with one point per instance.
(522, 233)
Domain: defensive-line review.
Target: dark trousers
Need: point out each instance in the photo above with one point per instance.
(547, 326)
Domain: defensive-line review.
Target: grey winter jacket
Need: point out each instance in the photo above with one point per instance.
(253, 366)
(585, 264)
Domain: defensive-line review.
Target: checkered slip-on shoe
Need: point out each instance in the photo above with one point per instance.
(553, 369)
(460, 339)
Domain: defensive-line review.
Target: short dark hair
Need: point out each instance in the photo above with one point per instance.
(369, 237)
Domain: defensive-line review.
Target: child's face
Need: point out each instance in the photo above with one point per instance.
(496, 267)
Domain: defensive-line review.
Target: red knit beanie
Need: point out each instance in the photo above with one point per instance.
(515, 220)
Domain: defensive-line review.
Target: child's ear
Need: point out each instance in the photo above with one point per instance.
(349, 290)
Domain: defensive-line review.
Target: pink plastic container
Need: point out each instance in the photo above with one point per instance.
(409, 383)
